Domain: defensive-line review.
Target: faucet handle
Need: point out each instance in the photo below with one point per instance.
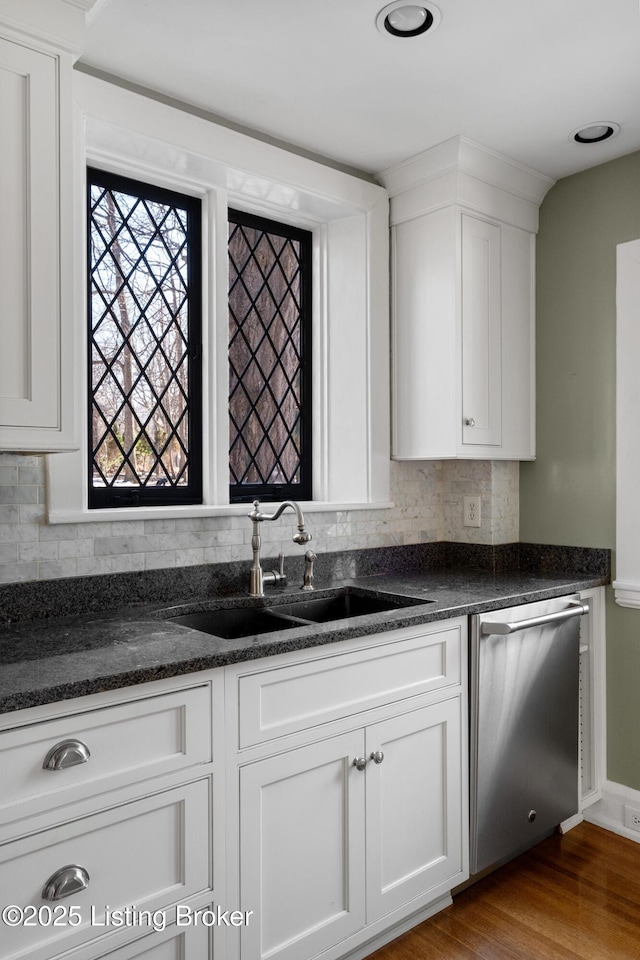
(279, 576)
(276, 576)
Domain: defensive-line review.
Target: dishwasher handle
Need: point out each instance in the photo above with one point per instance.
(575, 610)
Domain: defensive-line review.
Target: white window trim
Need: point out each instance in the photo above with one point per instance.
(627, 582)
(129, 134)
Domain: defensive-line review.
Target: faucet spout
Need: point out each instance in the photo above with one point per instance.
(257, 515)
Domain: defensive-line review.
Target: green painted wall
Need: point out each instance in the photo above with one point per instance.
(568, 494)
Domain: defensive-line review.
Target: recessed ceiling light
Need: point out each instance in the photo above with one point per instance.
(595, 132)
(402, 19)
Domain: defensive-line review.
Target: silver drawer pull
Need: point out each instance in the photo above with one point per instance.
(65, 882)
(360, 763)
(68, 753)
(377, 756)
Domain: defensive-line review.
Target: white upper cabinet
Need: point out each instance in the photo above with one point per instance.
(36, 259)
(463, 223)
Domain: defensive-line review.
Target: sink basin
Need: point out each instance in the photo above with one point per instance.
(344, 605)
(234, 623)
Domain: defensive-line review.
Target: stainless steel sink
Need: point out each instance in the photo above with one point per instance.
(343, 604)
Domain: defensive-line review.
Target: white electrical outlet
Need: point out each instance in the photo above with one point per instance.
(472, 512)
(631, 817)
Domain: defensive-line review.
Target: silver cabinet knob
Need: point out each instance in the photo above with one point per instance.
(531, 816)
(470, 422)
(360, 763)
(377, 756)
(65, 882)
(67, 753)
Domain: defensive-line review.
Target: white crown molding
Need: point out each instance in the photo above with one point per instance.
(464, 155)
(91, 8)
(464, 172)
(85, 5)
(58, 24)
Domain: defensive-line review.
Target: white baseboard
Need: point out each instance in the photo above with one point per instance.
(609, 812)
(570, 823)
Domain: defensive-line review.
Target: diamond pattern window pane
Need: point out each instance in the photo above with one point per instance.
(143, 308)
(269, 359)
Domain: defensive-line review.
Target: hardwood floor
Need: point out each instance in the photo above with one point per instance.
(573, 897)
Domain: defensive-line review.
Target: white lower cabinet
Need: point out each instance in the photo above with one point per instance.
(317, 797)
(327, 848)
(593, 741)
(106, 825)
(353, 825)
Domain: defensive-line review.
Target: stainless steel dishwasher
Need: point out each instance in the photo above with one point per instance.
(524, 706)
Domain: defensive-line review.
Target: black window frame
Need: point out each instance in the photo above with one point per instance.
(303, 491)
(168, 495)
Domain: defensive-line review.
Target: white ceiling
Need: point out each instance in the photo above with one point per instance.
(516, 77)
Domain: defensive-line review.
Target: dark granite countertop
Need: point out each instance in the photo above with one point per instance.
(56, 658)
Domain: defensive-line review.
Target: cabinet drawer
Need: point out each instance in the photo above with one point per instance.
(126, 744)
(414, 661)
(145, 855)
(174, 943)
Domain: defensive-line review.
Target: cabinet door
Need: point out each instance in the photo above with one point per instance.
(302, 849)
(481, 333)
(425, 345)
(34, 360)
(414, 807)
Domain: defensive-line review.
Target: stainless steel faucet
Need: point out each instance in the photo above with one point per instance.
(258, 577)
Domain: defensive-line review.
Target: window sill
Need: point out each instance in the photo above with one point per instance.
(203, 510)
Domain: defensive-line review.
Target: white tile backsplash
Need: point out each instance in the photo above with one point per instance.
(427, 498)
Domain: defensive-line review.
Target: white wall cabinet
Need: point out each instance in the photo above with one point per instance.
(463, 244)
(350, 790)
(36, 260)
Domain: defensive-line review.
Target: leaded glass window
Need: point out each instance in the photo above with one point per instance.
(269, 359)
(145, 321)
